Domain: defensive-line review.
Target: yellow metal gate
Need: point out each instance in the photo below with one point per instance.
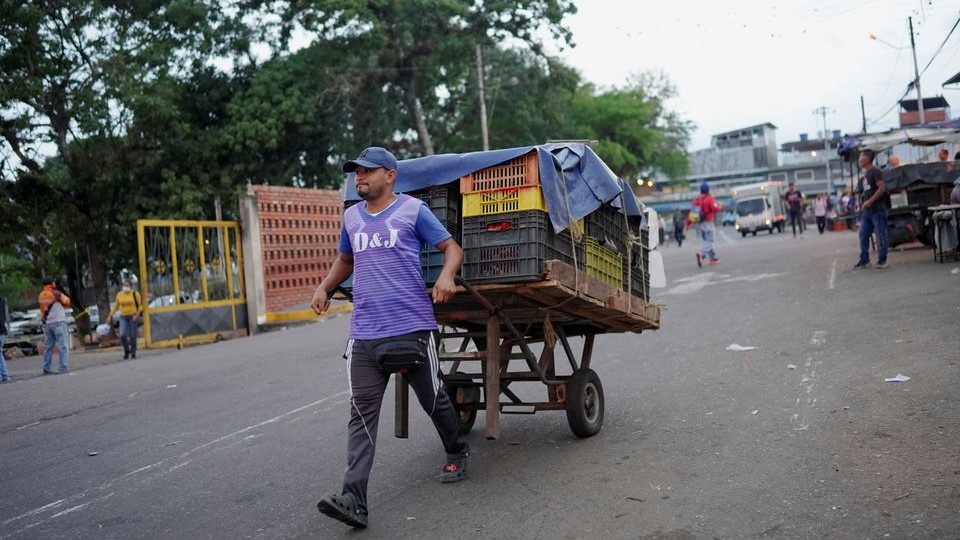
(192, 280)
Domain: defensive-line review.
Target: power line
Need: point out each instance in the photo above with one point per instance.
(940, 48)
(910, 86)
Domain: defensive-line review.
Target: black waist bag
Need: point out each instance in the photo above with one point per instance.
(401, 353)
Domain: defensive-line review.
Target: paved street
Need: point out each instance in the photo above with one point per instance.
(797, 438)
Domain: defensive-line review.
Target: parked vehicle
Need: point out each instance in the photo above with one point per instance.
(24, 324)
(760, 207)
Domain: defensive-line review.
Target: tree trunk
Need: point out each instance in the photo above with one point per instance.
(99, 275)
(425, 138)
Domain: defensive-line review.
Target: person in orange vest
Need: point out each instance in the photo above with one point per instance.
(130, 308)
(53, 314)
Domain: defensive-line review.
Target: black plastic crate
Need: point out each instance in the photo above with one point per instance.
(444, 201)
(608, 226)
(513, 246)
(639, 271)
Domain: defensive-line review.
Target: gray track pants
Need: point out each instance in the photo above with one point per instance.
(367, 384)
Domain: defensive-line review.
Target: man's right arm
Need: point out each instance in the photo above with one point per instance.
(341, 270)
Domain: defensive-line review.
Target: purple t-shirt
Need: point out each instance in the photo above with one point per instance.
(389, 294)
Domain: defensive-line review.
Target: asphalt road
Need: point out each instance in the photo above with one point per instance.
(797, 438)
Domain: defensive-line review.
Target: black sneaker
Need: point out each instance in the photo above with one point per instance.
(344, 508)
(881, 265)
(126, 356)
(861, 264)
(456, 468)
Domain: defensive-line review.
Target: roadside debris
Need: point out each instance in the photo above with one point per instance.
(171, 386)
(791, 367)
(955, 271)
(755, 412)
(738, 348)
(92, 453)
(900, 377)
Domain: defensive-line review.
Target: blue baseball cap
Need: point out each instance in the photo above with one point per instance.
(704, 188)
(372, 157)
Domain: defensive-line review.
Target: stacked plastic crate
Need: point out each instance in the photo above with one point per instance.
(444, 202)
(608, 258)
(507, 234)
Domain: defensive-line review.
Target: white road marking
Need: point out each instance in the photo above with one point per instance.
(697, 282)
(110, 483)
(833, 275)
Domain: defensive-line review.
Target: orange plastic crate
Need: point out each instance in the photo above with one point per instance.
(518, 172)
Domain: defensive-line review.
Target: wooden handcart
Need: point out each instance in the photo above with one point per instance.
(503, 321)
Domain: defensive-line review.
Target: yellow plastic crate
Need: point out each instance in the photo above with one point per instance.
(516, 199)
(604, 264)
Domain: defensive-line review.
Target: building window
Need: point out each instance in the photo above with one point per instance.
(777, 177)
(804, 176)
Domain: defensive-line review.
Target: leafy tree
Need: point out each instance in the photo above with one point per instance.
(71, 73)
(410, 51)
(638, 135)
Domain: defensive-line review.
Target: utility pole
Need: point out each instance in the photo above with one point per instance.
(826, 143)
(483, 102)
(863, 115)
(916, 73)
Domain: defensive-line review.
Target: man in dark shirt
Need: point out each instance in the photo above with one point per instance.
(794, 200)
(874, 212)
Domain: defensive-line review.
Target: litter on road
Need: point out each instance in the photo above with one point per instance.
(791, 367)
(738, 348)
(899, 378)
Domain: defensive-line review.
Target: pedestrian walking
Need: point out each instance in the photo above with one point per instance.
(678, 233)
(820, 211)
(702, 212)
(874, 209)
(130, 308)
(794, 200)
(4, 375)
(53, 315)
(393, 328)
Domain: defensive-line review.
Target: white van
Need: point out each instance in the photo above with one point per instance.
(760, 207)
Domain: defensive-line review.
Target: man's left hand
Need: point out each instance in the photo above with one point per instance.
(443, 289)
(56, 295)
(867, 204)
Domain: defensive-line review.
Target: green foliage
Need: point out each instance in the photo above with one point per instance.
(151, 109)
(638, 135)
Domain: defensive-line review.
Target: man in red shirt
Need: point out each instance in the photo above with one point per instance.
(706, 207)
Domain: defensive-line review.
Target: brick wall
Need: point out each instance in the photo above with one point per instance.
(299, 235)
(912, 118)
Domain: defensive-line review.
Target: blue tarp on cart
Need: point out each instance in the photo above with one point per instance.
(574, 179)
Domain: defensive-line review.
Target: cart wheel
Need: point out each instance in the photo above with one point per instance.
(584, 403)
(465, 419)
(465, 394)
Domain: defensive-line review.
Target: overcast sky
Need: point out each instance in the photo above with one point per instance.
(741, 63)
